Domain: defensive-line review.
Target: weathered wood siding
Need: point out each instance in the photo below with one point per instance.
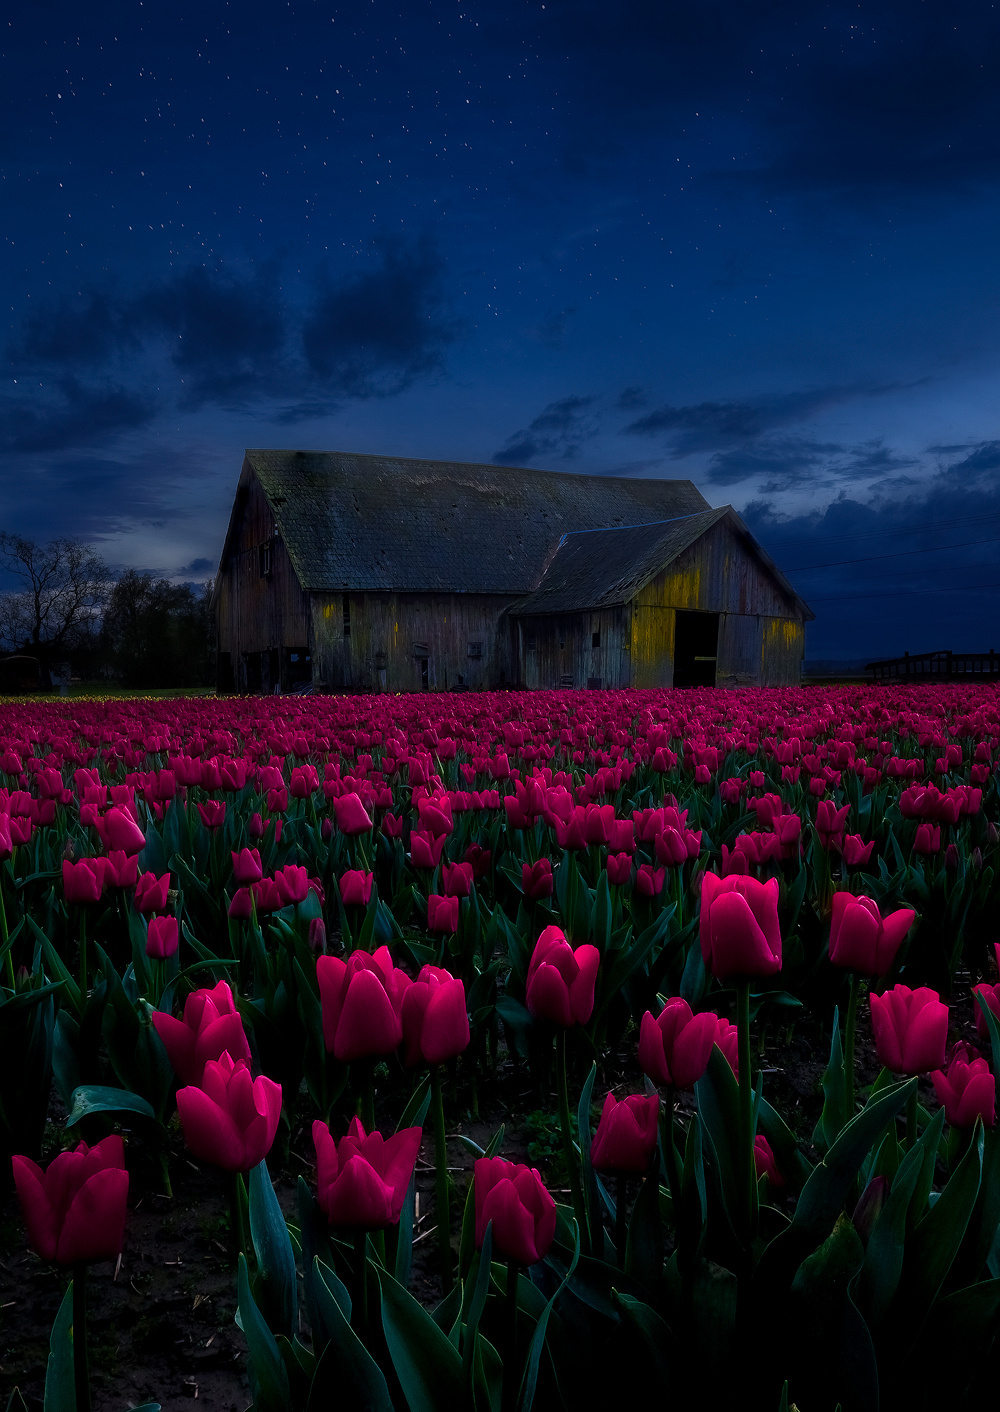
(761, 637)
(465, 635)
(255, 613)
(559, 650)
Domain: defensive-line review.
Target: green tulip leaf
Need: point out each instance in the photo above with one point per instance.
(60, 1389)
(98, 1098)
(275, 1257)
(266, 1365)
(346, 1374)
(427, 1363)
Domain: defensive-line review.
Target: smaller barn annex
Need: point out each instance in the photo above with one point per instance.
(374, 573)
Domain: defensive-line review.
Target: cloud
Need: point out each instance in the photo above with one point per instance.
(226, 333)
(788, 460)
(560, 429)
(78, 416)
(76, 332)
(632, 398)
(986, 457)
(705, 426)
(199, 566)
(374, 333)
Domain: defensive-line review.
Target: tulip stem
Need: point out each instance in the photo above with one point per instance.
(81, 1371)
(8, 963)
(911, 1120)
(568, 1149)
(83, 956)
(511, 1380)
(360, 1319)
(366, 1100)
(621, 1218)
(237, 1200)
(746, 1161)
(441, 1201)
(670, 1155)
(852, 1008)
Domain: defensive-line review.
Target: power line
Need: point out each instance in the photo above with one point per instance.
(901, 593)
(897, 554)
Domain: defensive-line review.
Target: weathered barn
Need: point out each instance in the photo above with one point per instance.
(385, 574)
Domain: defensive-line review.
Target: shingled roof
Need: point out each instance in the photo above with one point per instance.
(601, 568)
(371, 523)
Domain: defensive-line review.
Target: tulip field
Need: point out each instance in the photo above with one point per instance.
(489, 1052)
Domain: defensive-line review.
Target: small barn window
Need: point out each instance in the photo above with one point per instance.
(347, 615)
(566, 679)
(593, 683)
(595, 638)
(475, 649)
(420, 649)
(532, 643)
(264, 560)
(381, 661)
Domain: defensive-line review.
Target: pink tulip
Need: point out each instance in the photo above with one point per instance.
(967, 1090)
(560, 983)
(740, 933)
(211, 1026)
(75, 1210)
(675, 1046)
(231, 1119)
(362, 998)
(910, 1029)
(861, 939)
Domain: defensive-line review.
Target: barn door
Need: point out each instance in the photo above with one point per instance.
(696, 646)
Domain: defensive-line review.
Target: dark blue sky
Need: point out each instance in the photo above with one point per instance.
(750, 244)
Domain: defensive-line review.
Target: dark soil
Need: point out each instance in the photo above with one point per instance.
(162, 1325)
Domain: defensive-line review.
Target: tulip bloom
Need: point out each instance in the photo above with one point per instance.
(351, 815)
(247, 866)
(671, 849)
(860, 939)
(213, 813)
(457, 879)
(728, 1039)
(855, 851)
(675, 1046)
(434, 1018)
(442, 914)
(967, 1090)
(241, 907)
(537, 880)
(75, 1210)
(560, 986)
(361, 1182)
(83, 881)
(619, 869)
(523, 1212)
(626, 1135)
(362, 998)
(356, 888)
(649, 880)
(161, 937)
(151, 893)
(928, 839)
(231, 1119)
(118, 829)
(991, 994)
(830, 822)
(740, 934)
(764, 1161)
(210, 1027)
(425, 849)
(910, 1029)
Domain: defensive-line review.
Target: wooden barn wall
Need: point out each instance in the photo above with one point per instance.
(257, 614)
(386, 629)
(558, 650)
(761, 637)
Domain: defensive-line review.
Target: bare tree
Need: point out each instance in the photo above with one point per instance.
(57, 610)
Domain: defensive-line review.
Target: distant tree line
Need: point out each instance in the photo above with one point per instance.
(69, 610)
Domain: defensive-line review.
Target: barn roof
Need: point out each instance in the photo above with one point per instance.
(602, 568)
(370, 523)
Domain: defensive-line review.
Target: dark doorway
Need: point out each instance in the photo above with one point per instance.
(254, 673)
(696, 641)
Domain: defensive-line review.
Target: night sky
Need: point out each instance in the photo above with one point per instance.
(751, 245)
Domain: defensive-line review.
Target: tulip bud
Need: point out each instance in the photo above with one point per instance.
(317, 936)
(866, 1213)
(976, 859)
